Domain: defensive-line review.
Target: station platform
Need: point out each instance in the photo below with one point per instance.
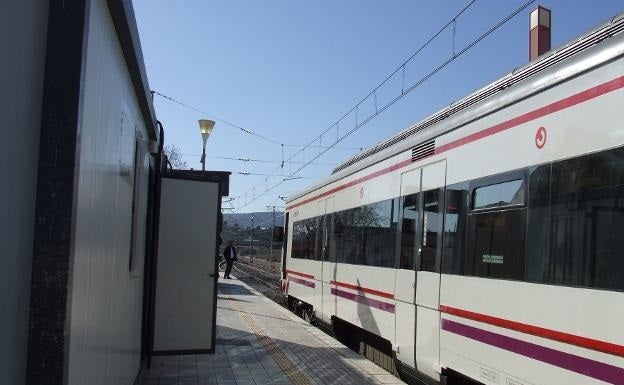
(259, 342)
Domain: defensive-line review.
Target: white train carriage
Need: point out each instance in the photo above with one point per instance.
(486, 241)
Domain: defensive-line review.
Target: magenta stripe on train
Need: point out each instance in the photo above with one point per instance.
(301, 281)
(363, 300)
(588, 367)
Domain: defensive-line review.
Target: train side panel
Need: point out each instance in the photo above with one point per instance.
(498, 330)
(492, 317)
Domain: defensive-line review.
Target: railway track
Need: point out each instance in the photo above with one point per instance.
(261, 277)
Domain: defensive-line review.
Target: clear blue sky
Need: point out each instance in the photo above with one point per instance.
(289, 69)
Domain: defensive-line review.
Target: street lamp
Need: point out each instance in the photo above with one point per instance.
(205, 127)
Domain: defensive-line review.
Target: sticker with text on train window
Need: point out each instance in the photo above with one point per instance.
(491, 258)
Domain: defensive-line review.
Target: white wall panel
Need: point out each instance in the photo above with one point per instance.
(23, 25)
(185, 285)
(106, 298)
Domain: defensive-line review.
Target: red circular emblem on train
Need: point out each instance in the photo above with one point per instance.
(540, 138)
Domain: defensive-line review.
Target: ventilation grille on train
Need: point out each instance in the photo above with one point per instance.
(549, 59)
(423, 150)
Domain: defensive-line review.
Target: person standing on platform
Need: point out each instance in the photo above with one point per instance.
(229, 253)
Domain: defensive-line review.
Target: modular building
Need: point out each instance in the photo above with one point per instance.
(81, 164)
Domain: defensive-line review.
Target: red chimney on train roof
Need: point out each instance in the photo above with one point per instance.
(539, 32)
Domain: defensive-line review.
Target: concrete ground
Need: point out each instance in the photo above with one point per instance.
(259, 342)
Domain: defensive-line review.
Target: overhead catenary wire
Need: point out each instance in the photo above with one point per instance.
(404, 91)
(275, 176)
(243, 129)
(248, 131)
(277, 215)
(252, 160)
(355, 108)
(319, 146)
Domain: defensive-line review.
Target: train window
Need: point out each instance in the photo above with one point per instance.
(432, 230)
(455, 223)
(498, 195)
(496, 242)
(351, 237)
(409, 231)
(337, 238)
(285, 245)
(329, 224)
(587, 207)
(572, 208)
(538, 223)
(365, 235)
(304, 239)
(320, 239)
(378, 222)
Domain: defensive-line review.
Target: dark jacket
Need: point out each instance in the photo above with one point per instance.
(229, 253)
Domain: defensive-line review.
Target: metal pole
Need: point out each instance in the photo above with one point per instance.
(203, 158)
(251, 240)
(271, 260)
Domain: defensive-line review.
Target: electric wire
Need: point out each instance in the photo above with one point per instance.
(251, 160)
(276, 176)
(277, 215)
(245, 130)
(217, 118)
(355, 108)
(404, 92)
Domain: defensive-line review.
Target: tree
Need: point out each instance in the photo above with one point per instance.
(175, 157)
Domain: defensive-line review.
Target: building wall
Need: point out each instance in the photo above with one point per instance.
(23, 26)
(105, 293)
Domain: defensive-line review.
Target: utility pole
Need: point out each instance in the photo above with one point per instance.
(251, 240)
(272, 229)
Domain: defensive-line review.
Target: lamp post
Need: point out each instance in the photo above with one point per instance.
(205, 127)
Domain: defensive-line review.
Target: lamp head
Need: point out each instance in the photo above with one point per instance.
(205, 127)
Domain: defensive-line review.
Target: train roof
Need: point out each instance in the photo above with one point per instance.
(570, 59)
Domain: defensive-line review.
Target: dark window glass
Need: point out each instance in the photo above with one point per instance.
(455, 224)
(337, 238)
(538, 223)
(432, 230)
(285, 245)
(378, 224)
(304, 239)
(365, 235)
(499, 194)
(409, 231)
(586, 221)
(496, 241)
(351, 237)
(322, 239)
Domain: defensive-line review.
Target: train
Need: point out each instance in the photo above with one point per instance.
(485, 243)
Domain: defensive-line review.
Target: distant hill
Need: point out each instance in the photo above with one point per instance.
(263, 219)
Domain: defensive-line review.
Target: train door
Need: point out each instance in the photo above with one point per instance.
(285, 247)
(328, 268)
(428, 256)
(405, 279)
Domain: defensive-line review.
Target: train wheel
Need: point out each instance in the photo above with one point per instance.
(292, 304)
(308, 316)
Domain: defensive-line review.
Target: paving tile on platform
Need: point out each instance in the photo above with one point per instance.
(242, 358)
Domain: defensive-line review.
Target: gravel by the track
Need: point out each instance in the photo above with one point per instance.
(260, 276)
